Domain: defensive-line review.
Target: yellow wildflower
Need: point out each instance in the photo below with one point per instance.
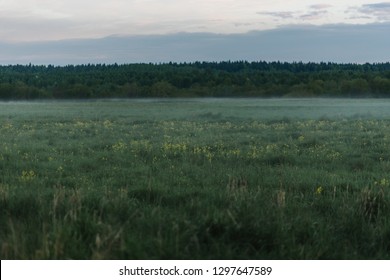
(319, 190)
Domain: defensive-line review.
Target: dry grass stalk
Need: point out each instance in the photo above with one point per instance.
(281, 198)
(237, 184)
(372, 202)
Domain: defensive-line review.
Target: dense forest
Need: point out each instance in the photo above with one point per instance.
(198, 79)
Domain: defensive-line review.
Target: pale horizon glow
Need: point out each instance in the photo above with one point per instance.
(124, 31)
(47, 20)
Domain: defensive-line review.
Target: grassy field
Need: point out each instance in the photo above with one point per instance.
(195, 179)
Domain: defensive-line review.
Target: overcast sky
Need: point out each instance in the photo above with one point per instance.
(29, 28)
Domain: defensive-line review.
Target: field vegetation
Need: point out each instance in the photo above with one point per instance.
(195, 179)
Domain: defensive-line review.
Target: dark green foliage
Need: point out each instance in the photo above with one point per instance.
(199, 79)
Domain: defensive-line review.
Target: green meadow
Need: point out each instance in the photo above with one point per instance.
(195, 179)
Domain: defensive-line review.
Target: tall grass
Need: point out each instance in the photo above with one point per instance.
(171, 180)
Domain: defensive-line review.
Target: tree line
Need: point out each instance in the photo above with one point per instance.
(197, 79)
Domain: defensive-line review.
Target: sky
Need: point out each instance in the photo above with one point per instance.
(126, 31)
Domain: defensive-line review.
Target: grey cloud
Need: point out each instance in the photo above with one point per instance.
(238, 24)
(336, 43)
(380, 11)
(320, 6)
(282, 15)
(359, 17)
(27, 29)
(313, 15)
(383, 5)
(317, 11)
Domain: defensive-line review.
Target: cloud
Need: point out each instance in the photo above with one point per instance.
(26, 29)
(35, 20)
(314, 15)
(375, 6)
(283, 15)
(336, 43)
(311, 13)
(98, 18)
(380, 11)
(316, 12)
(320, 6)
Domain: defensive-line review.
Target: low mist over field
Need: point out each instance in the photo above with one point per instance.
(206, 109)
